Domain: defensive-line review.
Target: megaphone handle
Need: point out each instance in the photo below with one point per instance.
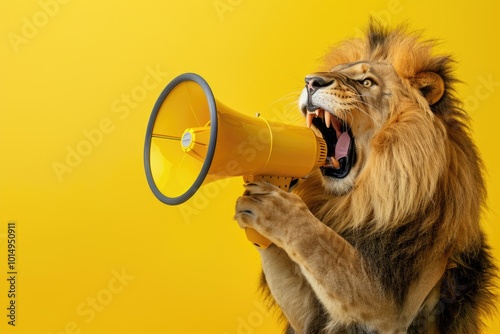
(257, 239)
(283, 182)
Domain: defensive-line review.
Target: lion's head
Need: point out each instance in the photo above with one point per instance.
(352, 102)
(398, 141)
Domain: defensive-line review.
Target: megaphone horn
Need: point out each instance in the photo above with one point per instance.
(192, 139)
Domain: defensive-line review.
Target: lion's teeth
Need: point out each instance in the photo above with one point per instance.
(321, 114)
(332, 162)
(328, 119)
(324, 115)
(335, 163)
(309, 119)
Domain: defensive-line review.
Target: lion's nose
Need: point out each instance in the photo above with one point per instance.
(315, 82)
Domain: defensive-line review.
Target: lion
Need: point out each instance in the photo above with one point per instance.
(386, 237)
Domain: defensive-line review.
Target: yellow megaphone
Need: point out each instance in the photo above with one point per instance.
(193, 139)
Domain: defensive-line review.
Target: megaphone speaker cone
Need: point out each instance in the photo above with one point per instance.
(180, 138)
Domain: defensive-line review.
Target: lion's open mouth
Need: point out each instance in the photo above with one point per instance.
(339, 140)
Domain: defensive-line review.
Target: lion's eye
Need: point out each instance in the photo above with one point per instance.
(367, 83)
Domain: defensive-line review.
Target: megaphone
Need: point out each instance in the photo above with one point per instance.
(193, 139)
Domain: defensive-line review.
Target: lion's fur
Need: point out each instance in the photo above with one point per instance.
(420, 193)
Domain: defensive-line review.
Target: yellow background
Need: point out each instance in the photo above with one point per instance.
(84, 65)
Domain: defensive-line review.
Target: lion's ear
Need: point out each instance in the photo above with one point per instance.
(430, 84)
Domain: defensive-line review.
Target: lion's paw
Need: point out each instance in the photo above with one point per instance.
(268, 209)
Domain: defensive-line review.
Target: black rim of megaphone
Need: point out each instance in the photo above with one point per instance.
(211, 145)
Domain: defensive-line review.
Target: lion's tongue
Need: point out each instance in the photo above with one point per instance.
(342, 147)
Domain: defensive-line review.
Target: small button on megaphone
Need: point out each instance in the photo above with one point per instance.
(192, 139)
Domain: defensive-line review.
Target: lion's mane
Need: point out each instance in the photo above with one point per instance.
(421, 191)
